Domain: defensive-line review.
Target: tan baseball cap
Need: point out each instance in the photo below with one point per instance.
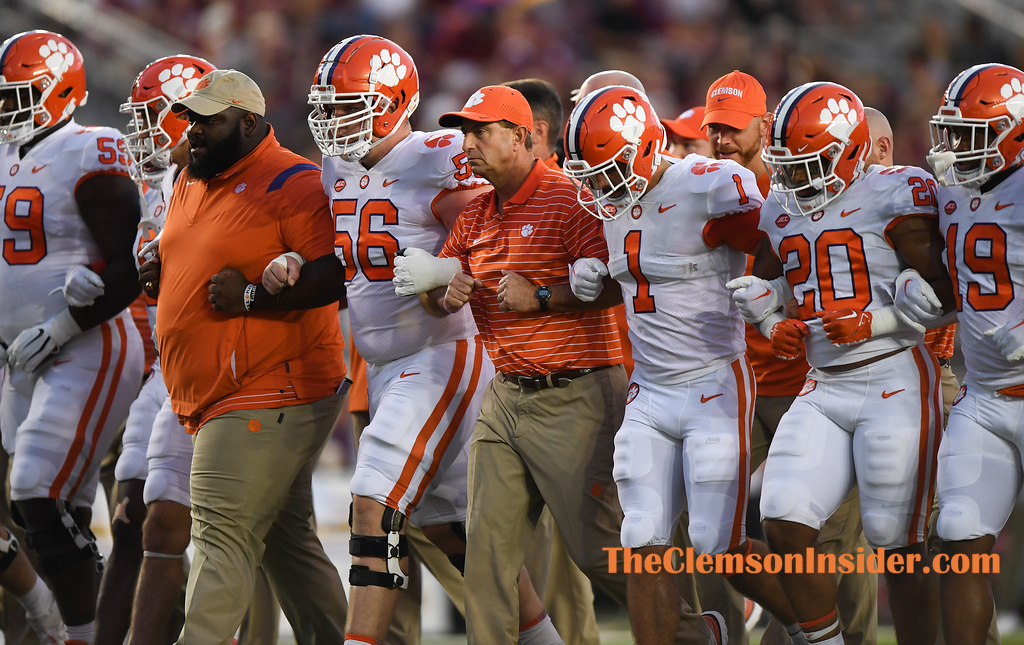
(221, 89)
(490, 104)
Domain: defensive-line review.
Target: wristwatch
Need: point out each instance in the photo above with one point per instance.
(543, 293)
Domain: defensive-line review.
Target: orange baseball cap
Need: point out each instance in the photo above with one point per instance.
(688, 124)
(734, 100)
(490, 104)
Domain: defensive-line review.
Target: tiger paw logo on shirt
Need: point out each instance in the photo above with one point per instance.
(527, 230)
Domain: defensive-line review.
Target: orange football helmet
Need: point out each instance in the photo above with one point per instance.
(979, 129)
(613, 145)
(153, 130)
(815, 146)
(42, 81)
(365, 87)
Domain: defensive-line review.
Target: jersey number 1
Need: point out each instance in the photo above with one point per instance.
(23, 211)
(643, 301)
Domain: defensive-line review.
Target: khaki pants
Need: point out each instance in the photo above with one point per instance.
(252, 502)
(537, 447)
(842, 533)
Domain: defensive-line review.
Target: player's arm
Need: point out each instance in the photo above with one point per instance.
(516, 293)
(919, 243)
(449, 203)
(320, 282)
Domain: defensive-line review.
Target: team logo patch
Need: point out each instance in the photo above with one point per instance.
(975, 203)
(610, 210)
(387, 68)
(950, 207)
(527, 230)
(255, 425)
(634, 389)
(808, 387)
(439, 140)
(960, 395)
(636, 211)
(817, 216)
(178, 80)
(339, 185)
(14, 170)
(240, 187)
(628, 119)
(782, 220)
(364, 181)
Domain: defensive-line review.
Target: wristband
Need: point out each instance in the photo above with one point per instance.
(249, 296)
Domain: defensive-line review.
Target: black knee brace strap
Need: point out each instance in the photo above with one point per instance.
(391, 547)
(56, 531)
(8, 551)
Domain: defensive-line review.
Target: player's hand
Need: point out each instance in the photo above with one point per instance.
(586, 278)
(34, 345)
(81, 286)
(227, 291)
(755, 298)
(417, 271)
(788, 338)
(516, 293)
(846, 326)
(151, 249)
(149, 277)
(916, 303)
(1009, 338)
(282, 272)
(460, 289)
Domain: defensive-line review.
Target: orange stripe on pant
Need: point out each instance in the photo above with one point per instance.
(419, 448)
(927, 450)
(453, 427)
(744, 379)
(122, 335)
(83, 421)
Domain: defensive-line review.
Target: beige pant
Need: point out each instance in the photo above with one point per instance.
(532, 448)
(251, 502)
(842, 533)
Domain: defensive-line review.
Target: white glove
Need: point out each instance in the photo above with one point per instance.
(916, 302)
(1009, 340)
(151, 249)
(417, 271)
(81, 286)
(278, 274)
(757, 298)
(35, 344)
(586, 278)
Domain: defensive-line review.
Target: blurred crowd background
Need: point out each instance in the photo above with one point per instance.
(897, 55)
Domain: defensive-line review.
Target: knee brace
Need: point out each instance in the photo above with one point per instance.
(391, 547)
(57, 533)
(8, 551)
(458, 560)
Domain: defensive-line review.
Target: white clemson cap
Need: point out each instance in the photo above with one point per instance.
(220, 90)
(490, 104)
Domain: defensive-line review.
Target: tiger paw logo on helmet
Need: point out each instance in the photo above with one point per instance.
(1013, 92)
(388, 67)
(841, 118)
(628, 120)
(57, 56)
(178, 80)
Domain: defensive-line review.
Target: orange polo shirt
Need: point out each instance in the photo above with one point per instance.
(541, 230)
(774, 376)
(267, 203)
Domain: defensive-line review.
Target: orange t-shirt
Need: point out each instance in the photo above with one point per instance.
(774, 376)
(267, 203)
(541, 231)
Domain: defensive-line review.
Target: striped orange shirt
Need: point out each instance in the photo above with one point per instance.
(539, 232)
(940, 341)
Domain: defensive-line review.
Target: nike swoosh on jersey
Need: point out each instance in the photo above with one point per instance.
(388, 183)
(36, 169)
(845, 213)
(999, 206)
(61, 362)
(404, 374)
(662, 209)
(886, 395)
(705, 399)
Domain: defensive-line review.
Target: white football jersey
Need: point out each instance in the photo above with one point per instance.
(154, 208)
(985, 256)
(380, 210)
(43, 234)
(841, 257)
(682, 321)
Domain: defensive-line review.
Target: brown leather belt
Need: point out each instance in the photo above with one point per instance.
(554, 379)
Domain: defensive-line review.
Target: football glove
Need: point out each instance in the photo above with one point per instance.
(35, 344)
(756, 298)
(787, 337)
(853, 326)
(417, 271)
(916, 303)
(586, 278)
(81, 286)
(1009, 338)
